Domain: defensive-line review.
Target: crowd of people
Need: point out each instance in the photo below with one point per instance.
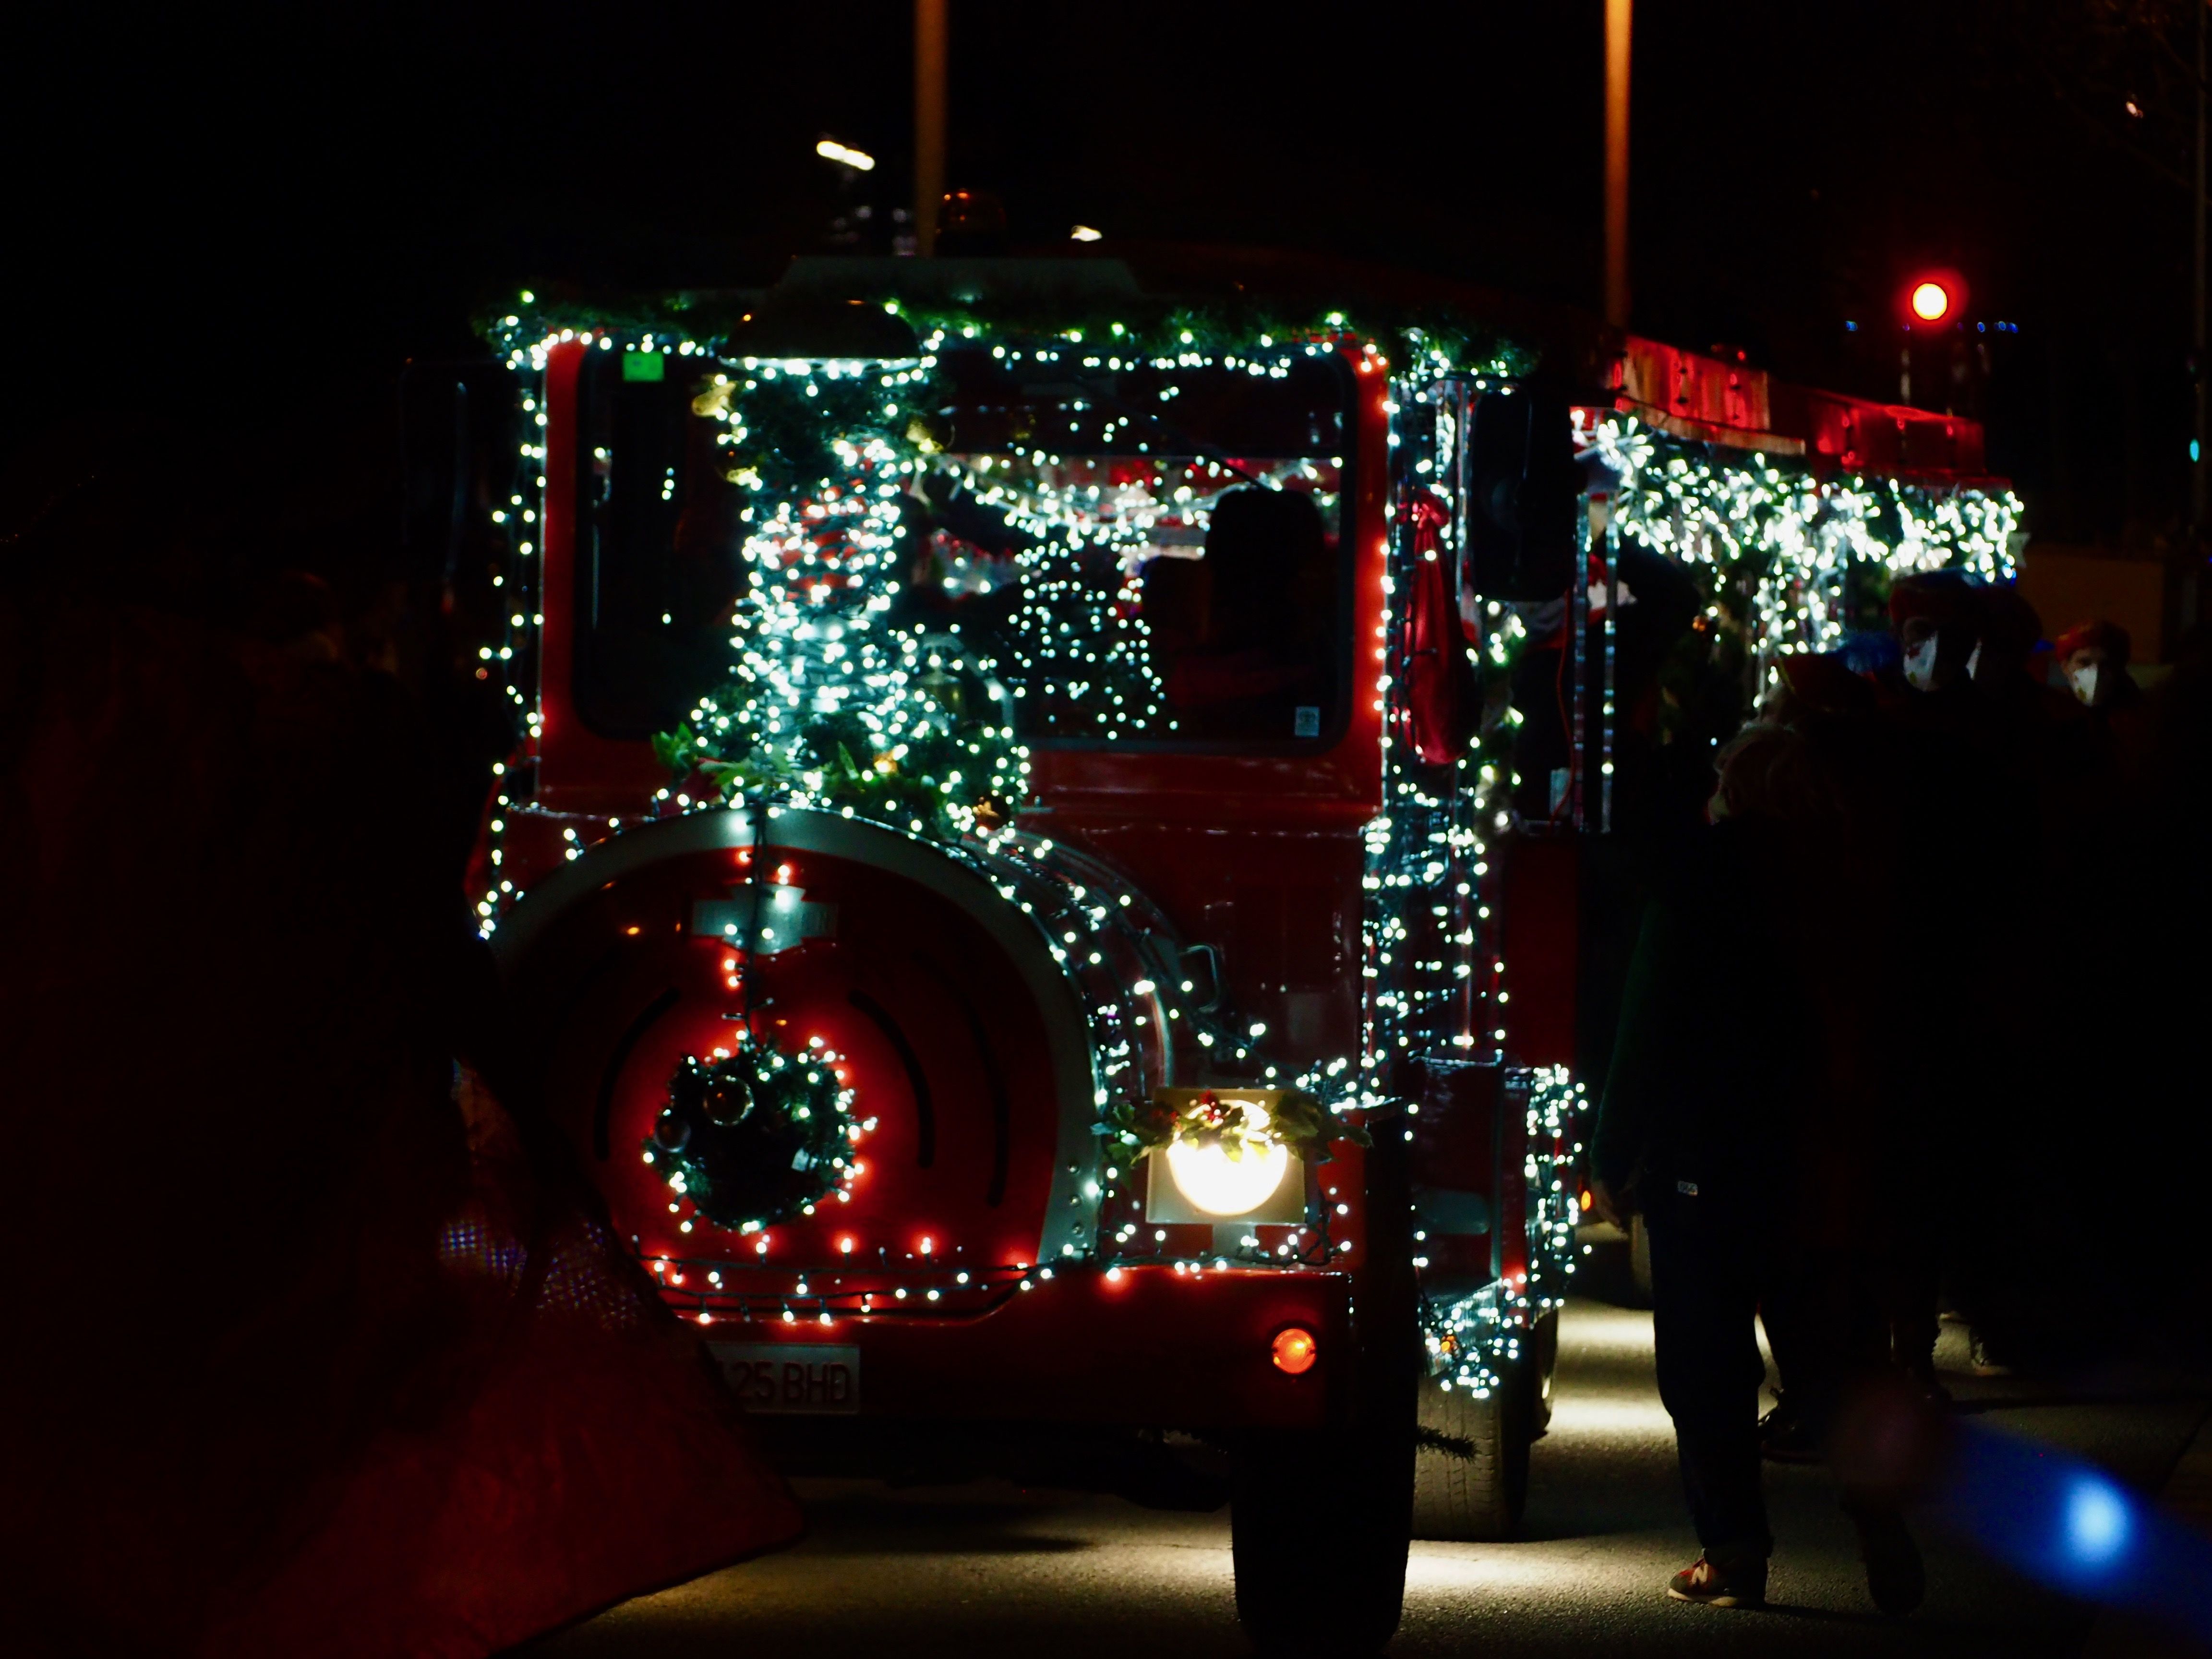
(1900, 1035)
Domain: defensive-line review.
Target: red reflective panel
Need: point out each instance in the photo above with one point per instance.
(1293, 1351)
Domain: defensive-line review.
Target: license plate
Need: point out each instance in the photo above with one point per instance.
(792, 1377)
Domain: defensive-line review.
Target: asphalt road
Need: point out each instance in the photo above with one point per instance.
(991, 1569)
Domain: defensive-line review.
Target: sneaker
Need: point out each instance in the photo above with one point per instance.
(1788, 1436)
(1720, 1587)
(1895, 1575)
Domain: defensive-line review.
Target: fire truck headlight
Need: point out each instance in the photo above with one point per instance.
(1225, 1186)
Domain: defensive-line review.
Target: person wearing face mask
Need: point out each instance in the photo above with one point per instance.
(1960, 824)
(2093, 656)
(1938, 626)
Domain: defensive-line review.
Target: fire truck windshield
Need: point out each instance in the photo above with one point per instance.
(1155, 553)
(1151, 556)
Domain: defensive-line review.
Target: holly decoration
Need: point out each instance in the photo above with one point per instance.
(757, 1136)
(1295, 1119)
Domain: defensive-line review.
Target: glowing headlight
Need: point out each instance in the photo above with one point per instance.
(1221, 1185)
(1194, 1180)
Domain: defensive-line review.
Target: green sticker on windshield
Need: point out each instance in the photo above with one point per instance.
(644, 366)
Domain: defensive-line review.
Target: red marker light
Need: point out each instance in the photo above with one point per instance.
(1931, 302)
(1294, 1350)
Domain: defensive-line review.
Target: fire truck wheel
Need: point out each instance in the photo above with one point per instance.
(1471, 1472)
(1544, 1356)
(1337, 1489)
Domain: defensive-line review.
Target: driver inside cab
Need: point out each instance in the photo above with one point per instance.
(1240, 636)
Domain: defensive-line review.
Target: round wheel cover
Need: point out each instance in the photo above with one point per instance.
(958, 1034)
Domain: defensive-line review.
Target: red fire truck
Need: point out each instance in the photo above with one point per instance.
(1029, 885)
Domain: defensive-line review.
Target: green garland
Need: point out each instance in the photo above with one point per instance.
(755, 1137)
(782, 439)
(1440, 336)
(1444, 338)
(949, 771)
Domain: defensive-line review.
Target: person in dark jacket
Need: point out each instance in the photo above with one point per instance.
(1744, 1116)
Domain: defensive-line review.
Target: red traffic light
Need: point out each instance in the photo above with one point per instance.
(1930, 299)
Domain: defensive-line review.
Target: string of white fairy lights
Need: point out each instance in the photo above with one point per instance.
(1435, 965)
(1704, 505)
(816, 646)
(824, 559)
(817, 641)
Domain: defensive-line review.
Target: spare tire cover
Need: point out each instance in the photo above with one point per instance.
(962, 1038)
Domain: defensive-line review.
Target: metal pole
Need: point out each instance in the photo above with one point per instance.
(1612, 636)
(1617, 20)
(2198, 460)
(929, 120)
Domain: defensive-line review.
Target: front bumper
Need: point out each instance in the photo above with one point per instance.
(1145, 1347)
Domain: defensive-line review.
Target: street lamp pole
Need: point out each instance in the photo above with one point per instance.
(929, 120)
(1617, 20)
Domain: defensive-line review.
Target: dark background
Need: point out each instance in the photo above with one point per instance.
(232, 227)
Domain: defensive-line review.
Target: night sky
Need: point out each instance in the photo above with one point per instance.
(240, 223)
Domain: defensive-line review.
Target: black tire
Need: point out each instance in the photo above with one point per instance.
(1543, 1351)
(1639, 1259)
(1319, 1525)
(1473, 1489)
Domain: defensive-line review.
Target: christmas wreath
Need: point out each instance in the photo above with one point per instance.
(757, 1136)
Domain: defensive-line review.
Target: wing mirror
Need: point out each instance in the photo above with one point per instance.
(1523, 492)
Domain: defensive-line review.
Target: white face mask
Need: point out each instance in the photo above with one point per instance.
(1920, 663)
(2084, 681)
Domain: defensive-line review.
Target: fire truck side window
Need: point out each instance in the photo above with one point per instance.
(658, 567)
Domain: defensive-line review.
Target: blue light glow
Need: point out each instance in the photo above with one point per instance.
(2062, 1522)
(2097, 1521)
